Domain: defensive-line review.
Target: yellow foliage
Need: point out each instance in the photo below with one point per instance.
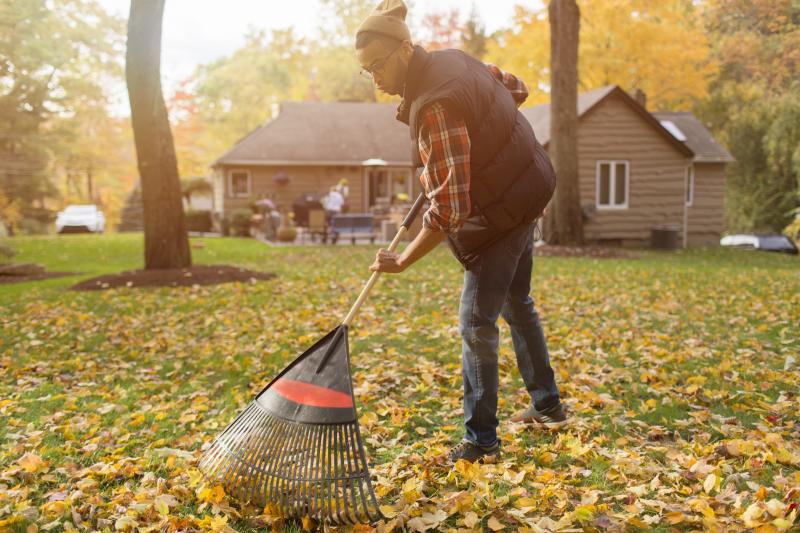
(658, 47)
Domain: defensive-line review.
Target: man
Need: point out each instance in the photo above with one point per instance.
(332, 203)
(487, 180)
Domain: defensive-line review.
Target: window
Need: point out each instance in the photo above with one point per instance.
(239, 185)
(384, 185)
(612, 184)
(689, 185)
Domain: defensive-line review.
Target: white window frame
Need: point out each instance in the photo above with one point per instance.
(689, 184)
(612, 184)
(249, 184)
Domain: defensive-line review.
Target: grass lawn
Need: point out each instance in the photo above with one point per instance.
(684, 416)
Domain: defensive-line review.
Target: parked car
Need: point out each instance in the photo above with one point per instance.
(80, 218)
(767, 243)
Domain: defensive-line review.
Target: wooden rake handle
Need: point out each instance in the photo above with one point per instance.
(412, 214)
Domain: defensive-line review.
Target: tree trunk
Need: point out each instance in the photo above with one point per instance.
(89, 186)
(565, 224)
(166, 242)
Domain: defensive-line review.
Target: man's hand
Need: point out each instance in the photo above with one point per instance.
(386, 261)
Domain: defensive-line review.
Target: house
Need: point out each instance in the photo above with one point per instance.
(637, 169)
(310, 147)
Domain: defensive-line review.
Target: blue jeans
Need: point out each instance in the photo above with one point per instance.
(498, 283)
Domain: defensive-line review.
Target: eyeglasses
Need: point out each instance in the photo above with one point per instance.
(377, 66)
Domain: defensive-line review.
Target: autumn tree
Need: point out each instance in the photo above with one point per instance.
(565, 225)
(659, 47)
(754, 108)
(474, 39)
(440, 30)
(235, 94)
(165, 235)
(55, 56)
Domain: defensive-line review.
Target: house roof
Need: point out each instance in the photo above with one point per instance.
(698, 138)
(539, 116)
(348, 133)
(315, 133)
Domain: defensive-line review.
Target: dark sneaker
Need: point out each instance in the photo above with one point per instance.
(552, 418)
(472, 452)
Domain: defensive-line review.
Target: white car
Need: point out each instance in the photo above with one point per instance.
(80, 218)
(767, 243)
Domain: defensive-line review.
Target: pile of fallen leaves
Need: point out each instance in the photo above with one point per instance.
(681, 376)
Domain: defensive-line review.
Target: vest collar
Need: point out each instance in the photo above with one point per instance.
(415, 67)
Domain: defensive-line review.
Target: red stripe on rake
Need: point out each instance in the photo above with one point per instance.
(311, 395)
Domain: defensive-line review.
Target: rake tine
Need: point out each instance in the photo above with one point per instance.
(269, 458)
(244, 451)
(231, 474)
(250, 488)
(359, 472)
(301, 460)
(307, 486)
(295, 478)
(332, 503)
(320, 495)
(263, 455)
(223, 446)
(320, 474)
(311, 479)
(340, 496)
(376, 515)
(278, 473)
(286, 483)
(209, 462)
(352, 506)
(216, 454)
(352, 465)
(275, 459)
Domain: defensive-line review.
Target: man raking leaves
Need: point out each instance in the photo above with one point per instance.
(487, 179)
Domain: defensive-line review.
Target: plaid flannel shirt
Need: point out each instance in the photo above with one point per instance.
(444, 147)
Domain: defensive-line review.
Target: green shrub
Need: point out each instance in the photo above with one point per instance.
(32, 226)
(198, 220)
(240, 222)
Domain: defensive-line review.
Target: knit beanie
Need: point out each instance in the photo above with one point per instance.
(388, 19)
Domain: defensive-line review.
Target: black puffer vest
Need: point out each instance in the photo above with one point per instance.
(512, 179)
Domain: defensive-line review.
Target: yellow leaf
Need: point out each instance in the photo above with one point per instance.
(31, 463)
(212, 495)
(584, 513)
(471, 519)
(674, 518)
(125, 523)
(388, 511)
(494, 524)
(525, 502)
(776, 508)
(709, 483)
(308, 523)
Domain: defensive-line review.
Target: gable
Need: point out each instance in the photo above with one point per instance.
(539, 116)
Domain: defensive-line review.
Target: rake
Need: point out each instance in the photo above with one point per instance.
(296, 449)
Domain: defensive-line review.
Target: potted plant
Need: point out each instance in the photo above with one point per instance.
(287, 232)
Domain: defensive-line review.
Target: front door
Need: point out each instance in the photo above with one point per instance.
(383, 185)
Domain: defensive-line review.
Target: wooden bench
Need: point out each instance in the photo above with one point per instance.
(354, 226)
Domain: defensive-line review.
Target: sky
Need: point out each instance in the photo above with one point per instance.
(199, 31)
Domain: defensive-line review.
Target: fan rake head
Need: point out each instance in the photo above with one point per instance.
(297, 447)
